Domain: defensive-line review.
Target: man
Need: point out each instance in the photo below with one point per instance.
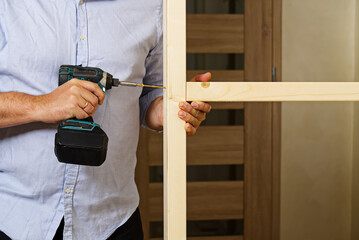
(37, 193)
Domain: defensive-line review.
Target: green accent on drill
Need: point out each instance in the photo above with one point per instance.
(80, 128)
(101, 86)
(70, 71)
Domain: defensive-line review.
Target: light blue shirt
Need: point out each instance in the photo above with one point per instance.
(122, 37)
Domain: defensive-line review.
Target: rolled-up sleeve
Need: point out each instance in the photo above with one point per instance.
(154, 76)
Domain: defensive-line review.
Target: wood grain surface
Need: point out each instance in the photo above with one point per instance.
(272, 91)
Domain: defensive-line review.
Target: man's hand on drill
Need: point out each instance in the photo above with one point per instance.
(193, 114)
(74, 99)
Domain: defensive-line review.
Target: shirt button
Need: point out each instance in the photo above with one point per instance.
(68, 190)
(82, 37)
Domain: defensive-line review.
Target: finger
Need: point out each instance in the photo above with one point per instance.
(202, 77)
(94, 88)
(83, 98)
(90, 97)
(190, 130)
(189, 118)
(89, 108)
(81, 113)
(189, 109)
(202, 106)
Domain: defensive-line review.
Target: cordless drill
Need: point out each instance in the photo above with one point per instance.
(83, 142)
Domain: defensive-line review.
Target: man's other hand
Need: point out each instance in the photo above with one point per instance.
(195, 113)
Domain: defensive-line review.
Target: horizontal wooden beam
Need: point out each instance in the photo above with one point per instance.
(272, 91)
(215, 33)
(216, 145)
(222, 200)
(212, 145)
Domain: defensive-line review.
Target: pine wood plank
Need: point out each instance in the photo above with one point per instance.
(272, 91)
(215, 33)
(206, 200)
(174, 133)
(212, 145)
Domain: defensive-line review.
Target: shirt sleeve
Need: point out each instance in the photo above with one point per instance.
(154, 76)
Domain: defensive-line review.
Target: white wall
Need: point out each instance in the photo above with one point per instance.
(317, 138)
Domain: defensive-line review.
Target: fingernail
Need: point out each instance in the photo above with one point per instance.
(182, 114)
(199, 77)
(194, 104)
(182, 105)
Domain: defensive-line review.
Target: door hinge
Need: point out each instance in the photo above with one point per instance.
(274, 77)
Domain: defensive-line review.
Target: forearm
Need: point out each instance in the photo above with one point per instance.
(74, 99)
(154, 115)
(18, 108)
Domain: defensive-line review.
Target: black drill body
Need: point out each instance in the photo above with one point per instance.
(92, 74)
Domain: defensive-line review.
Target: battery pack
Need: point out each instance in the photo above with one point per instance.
(81, 142)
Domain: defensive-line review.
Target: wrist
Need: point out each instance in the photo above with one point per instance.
(38, 108)
(154, 115)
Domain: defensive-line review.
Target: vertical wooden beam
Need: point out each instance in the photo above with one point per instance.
(174, 133)
(258, 122)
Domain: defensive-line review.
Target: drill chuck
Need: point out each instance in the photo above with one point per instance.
(115, 82)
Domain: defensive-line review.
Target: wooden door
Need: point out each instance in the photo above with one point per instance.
(233, 162)
(262, 122)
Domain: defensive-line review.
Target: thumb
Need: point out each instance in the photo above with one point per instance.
(202, 77)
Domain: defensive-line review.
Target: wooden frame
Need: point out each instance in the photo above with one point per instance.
(174, 147)
(178, 90)
(222, 92)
